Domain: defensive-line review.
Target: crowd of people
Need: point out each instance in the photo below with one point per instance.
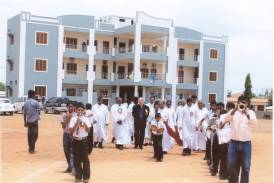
(222, 132)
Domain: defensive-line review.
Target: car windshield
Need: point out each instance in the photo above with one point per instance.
(4, 101)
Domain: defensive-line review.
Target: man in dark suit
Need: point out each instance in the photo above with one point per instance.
(140, 113)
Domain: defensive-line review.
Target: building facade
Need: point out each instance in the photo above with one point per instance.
(83, 57)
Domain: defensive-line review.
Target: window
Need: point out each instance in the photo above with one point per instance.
(145, 48)
(71, 92)
(86, 67)
(41, 38)
(122, 20)
(71, 43)
(122, 47)
(196, 54)
(181, 53)
(11, 65)
(105, 47)
(154, 48)
(95, 44)
(11, 38)
(213, 54)
(104, 93)
(130, 45)
(153, 71)
(212, 76)
(181, 74)
(40, 65)
(196, 74)
(211, 97)
(71, 68)
(144, 71)
(41, 90)
(260, 107)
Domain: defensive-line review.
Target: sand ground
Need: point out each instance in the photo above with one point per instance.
(110, 164)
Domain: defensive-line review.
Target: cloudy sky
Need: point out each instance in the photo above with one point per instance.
(248, 23)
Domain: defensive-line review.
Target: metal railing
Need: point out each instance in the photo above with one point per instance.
(187, 80)
(185, 57)
(102, 75)
(78, 47)
(152, 76)
(124, 75)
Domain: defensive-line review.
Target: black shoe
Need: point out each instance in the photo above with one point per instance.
(120, 147)
(135, 147)
(113, 139)
(95, 144)
(141, 147)
(145, 144)
(100, 145)
(154, 156)
(221, 177)
(213, 173)
(159, 160)
(68, 170)
(164, 152)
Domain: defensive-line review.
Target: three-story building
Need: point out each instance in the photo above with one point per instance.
(83, 57)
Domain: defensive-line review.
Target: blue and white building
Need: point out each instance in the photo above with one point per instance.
(83, 57)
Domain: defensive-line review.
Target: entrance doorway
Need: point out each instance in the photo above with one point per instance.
(126, 93)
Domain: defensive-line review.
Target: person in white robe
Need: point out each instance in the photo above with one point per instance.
(187, 125)
(102, 115)
(113, 125)
(168, 114)
(200, 131)
(130, 118)
(178, 116)
(148, 139)
(122, 132)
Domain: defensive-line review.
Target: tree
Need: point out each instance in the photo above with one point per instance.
(2, 86)
(248, 86)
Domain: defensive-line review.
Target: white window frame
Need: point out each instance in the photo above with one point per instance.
(209, 76)
(36, 37)
(217, 54)
(42, 86)
(40, 59)
(215, 97)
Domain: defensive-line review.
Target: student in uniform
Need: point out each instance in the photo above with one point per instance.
(92, 119)
(157, 128)
(147, 140)
(224, 138)
(67, 137)
(31, 117)
(79, 126)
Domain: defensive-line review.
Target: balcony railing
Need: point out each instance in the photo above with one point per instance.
(124, 75)
(153, 76)
(187, 80)
(190, 57)
(77, 47)
(102, 75)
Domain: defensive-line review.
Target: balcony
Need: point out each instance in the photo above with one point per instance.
(105, 54)
(153, 79)
(123, 78)
(187, 83)
(188, 60)
(124, 54)
(78, 78)
(76, 51)
(103, 78)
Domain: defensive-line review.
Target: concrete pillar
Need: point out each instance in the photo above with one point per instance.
(200, 80)
(90, 73)
(144, 93)
(173, 95)
(137, 51)
(60, 72)
(136, 91)
(163, 93)
(117, 91)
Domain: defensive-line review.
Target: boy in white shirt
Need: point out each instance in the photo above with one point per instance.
(224, 138)
(92, 120)
(157, 129)
(79, 126)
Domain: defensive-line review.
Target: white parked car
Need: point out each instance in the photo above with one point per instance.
(6, 106)
(19, 104)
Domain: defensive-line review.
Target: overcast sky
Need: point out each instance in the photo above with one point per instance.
(248, 23)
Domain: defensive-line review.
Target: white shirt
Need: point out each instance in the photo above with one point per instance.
(200, 114)
(241, 125)
(91, 117)
(224, 134)
(159, 124)
(82, 132)
(64, 118)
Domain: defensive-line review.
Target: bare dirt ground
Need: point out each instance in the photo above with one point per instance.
(111, 165)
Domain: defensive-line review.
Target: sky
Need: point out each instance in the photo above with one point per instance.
(247, 23)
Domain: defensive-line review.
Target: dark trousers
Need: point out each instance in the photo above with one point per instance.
(32, 135)
(157, 146)
(90, 138)
(67, 146)
(80, 152)
(223, 159)
(139, 133)
(239, 156)
(208, 149)
(215, 153)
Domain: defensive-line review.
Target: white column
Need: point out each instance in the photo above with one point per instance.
(144, 92)
(173, 95)
(90, 73)
(172, 57)
(137, 51)
(225, 71)
(136, 91)
(22, 52)
(163, 93)
(117, 91)
(60, 71)
(200, 79)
